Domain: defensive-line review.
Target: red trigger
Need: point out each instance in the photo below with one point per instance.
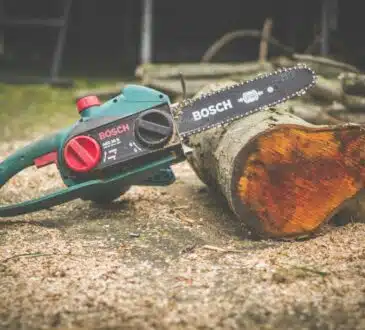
(46, 159)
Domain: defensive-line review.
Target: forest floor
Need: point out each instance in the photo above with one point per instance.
(160, 257)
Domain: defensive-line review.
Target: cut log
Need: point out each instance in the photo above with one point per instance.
(199, 70)
(313, 113)
(334, 67)
(327, 90)
(353, 84)
(323, 66)
(349, 117)
(354, 103)
(281, 175)
(173, 87)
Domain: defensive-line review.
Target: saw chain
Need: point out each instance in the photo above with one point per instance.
(242, 99)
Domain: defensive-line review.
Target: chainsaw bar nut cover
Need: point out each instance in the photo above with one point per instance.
(82, 153)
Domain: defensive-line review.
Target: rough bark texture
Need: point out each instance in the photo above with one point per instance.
(281, 175)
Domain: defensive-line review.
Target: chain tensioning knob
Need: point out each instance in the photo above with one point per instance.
(154, 128)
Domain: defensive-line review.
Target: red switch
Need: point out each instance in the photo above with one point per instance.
(87, 102)
(82, 153)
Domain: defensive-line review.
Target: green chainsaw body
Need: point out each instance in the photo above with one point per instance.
(150, 166)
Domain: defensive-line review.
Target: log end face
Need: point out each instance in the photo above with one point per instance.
(293, 179)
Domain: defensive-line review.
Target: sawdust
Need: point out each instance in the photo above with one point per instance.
(169, 258)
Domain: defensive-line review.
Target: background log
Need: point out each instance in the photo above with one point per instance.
(323, 66)
(353, 84)
(327, 90)
(281, 175)
(354, 103)
(200, 70)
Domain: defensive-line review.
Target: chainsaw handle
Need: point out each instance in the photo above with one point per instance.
(26, 156)
(85, 189)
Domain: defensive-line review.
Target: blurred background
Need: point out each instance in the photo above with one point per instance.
(97, 47)
(111, 37)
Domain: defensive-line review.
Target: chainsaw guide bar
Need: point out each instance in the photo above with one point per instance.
(242, 99)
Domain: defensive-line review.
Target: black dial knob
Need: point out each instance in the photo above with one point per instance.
(154, 128)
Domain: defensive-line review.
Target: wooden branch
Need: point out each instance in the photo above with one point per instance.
(313, 45)
(230, 36)
(313, 113)
(325, 62)
(354, 103)
(353, 84)
(348, 117)
(173, 87)
(199, 70)
(281, 175)
(326, 67)
(327, 89)
(266, 34)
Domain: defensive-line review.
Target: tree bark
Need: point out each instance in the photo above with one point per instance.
(281, 175)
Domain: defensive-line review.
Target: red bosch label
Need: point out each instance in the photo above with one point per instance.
(113, 131)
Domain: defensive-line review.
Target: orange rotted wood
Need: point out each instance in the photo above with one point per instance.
(295, 178)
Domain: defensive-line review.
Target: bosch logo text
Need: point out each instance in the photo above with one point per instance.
(212, 109)
(117, 130)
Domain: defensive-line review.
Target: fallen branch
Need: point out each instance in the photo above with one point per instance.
(218, 249)
(353, 84)
(229, 37)
(328, 68)
(198, 70)
(266, 34)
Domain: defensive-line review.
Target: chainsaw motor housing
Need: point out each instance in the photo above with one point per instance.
(125, 133)
(130, 139)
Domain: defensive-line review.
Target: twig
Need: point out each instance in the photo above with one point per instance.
(37, 254)
(183, 217)
(181, 207)
(310, 270)
(34, 254)
(310, 48)
(225, 39)
(266, 33)
(306, 269)
(218, 249)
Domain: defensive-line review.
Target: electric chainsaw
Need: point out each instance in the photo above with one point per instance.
(135, 137)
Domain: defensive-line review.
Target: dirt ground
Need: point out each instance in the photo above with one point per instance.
(159, 258)
(169, 258)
